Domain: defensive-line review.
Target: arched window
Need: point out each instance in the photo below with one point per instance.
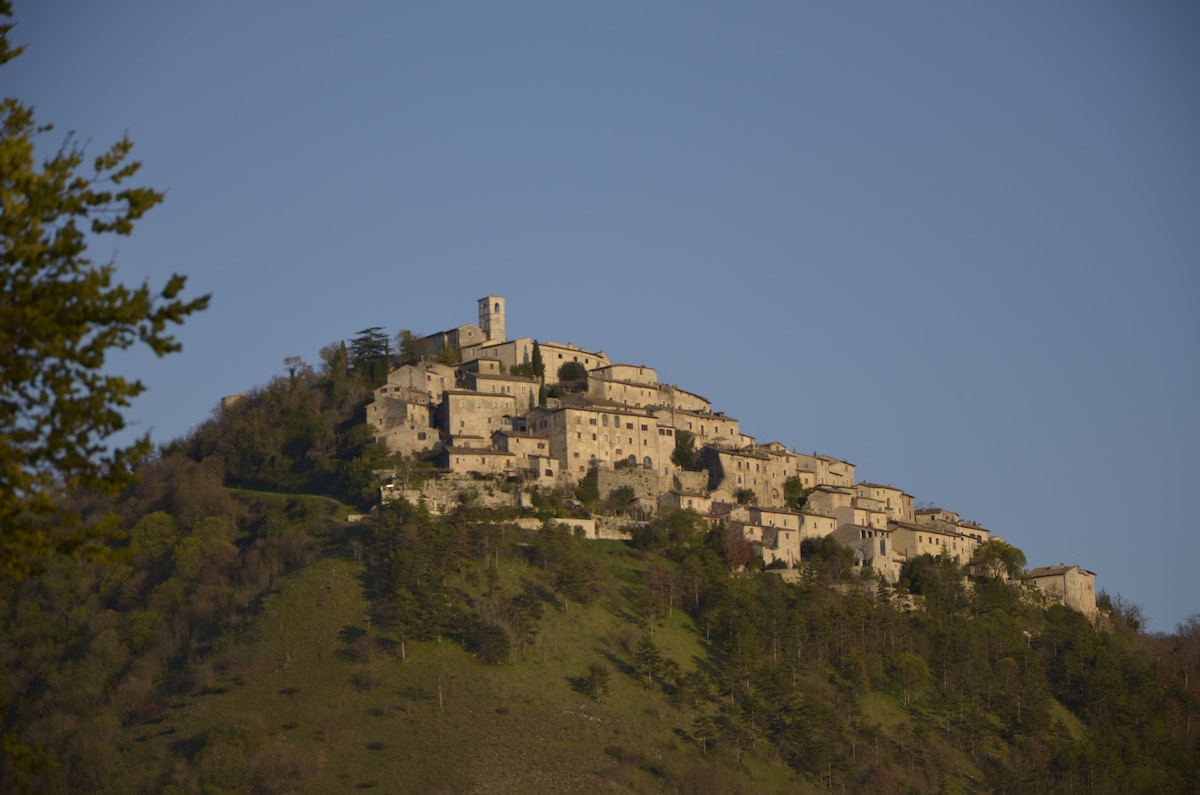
(633, 460)
(647, 463)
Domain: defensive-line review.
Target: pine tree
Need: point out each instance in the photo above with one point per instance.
(63, 315)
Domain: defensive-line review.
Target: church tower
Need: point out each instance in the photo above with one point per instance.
(491, 318)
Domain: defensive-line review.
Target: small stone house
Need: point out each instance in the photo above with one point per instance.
(1071, 585)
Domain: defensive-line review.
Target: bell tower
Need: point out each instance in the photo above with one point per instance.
(491, 318)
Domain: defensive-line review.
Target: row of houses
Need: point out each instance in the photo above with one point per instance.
(485, 421)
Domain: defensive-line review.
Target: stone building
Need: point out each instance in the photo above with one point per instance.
(706, 427)
(950, 521)
(897, 504)
(587, 436)
(1071, 585)
(913, 540)
(466, 413)
(874, 547)
(827, 470)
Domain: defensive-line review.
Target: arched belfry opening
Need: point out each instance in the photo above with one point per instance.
(491, 318)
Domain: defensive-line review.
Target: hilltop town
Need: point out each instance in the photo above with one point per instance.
(509, 417)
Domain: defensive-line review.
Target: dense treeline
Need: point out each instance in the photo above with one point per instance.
(944, 683)
(305, 432)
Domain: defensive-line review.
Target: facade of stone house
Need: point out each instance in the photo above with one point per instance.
(473, 460)
(783, 518)
(764, 470)
(524, 391)
(407, 437)
(696, 501)
(862, 515)
(556, 354)
(780, 545)
(466, 413)
(626, 393)
(736, 470)
(706, 427)
(459, 337)
(827, 470)
(816, 525)
(672, 397)
(627, 373)
(431, 378)
(508, 353)
(913, 540)
(587, 437)
(951, 522)
(828, 499)
(1071, 585)
(897, 504)
(873, 546)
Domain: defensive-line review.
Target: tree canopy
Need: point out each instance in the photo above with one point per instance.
(573, 376)
(59, 406)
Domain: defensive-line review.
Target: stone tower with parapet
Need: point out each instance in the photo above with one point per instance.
(491, 318)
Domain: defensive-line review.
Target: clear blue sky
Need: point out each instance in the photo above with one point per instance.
(957, 244)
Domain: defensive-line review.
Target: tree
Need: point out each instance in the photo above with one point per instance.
(573, 376)
(539, 367)
(596, 683)
(646, 659)
(370, 351)
(406, 342)
(539, 372)
(794, 493)
(684, 454)
(58, 406)
(745, 497)
(995, 558)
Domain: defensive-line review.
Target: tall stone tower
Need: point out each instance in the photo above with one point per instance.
(491, 318)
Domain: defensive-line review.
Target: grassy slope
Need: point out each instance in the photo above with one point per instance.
(297, 701)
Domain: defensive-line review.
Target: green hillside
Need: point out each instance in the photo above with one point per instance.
(251, 633)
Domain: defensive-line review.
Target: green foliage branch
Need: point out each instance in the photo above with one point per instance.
(63, 316)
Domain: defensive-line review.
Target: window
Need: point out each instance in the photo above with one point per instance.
(645, 427)
(629, 426)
